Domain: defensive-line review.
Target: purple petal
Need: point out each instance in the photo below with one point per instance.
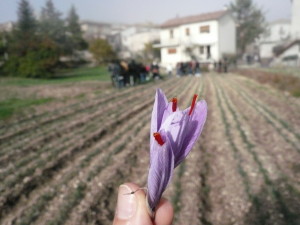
(160, 172)
(160, 104)
(183, 130)
(175, 129)
(192, 130)
(168, 111)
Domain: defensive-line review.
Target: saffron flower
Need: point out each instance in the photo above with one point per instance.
(173, 134)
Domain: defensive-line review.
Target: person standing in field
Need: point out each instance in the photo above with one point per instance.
(142, 72)
(116, 74)
(148, 71)
(133, 73)
(190, 68)
(125, 72)
(220, 65)
(155, 70)
(197, 69)
(225, 65)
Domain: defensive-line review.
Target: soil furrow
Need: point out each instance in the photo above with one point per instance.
(72, 169)
(267, 93)
(269, 174)
(288, 136)
(61, 132)
(82, 107)
(64, 166)
(228, 182)
(267, 141)
(272, 110)
(44, 135)
(135, 172)
(10, 197)
(185, 199)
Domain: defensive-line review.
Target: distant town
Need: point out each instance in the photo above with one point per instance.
(207, 37)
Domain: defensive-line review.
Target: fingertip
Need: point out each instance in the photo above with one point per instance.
(164, 213)
(132, 186)
(140, 216)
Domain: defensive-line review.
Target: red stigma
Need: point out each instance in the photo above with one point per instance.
(193, 104)
(174, 105)
(158, 138)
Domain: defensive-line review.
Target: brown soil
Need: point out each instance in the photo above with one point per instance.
(288, 83)
(243, 170)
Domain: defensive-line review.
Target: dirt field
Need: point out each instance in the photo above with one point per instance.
(63, 165)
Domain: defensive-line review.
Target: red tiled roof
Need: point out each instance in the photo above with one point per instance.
(194, 19)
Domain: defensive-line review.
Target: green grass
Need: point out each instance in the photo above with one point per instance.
(14, 105)
(64, 76)
(10, 106)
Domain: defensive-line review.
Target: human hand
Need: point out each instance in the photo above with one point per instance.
(132, 209)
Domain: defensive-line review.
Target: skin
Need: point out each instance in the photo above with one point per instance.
(163, 216)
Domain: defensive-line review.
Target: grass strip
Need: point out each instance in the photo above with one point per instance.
(15, 105)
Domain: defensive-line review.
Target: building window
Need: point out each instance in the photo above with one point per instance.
(201, 49)
(172, 51)
(171, 33)
(187, 31)
(208, 51)
(204, 29)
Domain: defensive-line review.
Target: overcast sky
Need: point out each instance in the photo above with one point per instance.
(137, 11)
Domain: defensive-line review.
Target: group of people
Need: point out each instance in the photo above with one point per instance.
(221, 66)
(188, 68)
(194, 67)
(130, 73)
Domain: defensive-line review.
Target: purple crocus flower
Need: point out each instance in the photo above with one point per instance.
(173, 134)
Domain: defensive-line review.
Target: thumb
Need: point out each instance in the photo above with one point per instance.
(131, 208)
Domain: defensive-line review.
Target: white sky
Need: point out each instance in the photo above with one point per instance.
(136, 11)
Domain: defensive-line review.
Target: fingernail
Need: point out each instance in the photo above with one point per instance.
(126, 205)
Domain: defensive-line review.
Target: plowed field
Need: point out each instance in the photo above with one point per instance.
(64, 166)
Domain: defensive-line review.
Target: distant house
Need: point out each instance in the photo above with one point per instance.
(94, 30)
(277, 33)
(6, 27)
(206, 37)
(127, 40)
(290, 54)
(295, 30)
(134, 39)
(285, 49)
(99, 30)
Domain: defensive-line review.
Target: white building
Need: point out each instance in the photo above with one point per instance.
(6, 27)
(288, 53)
(134, 39)
(205, 37)
(127, 40)
(95, 30)
(277, 33)
(295, 19)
